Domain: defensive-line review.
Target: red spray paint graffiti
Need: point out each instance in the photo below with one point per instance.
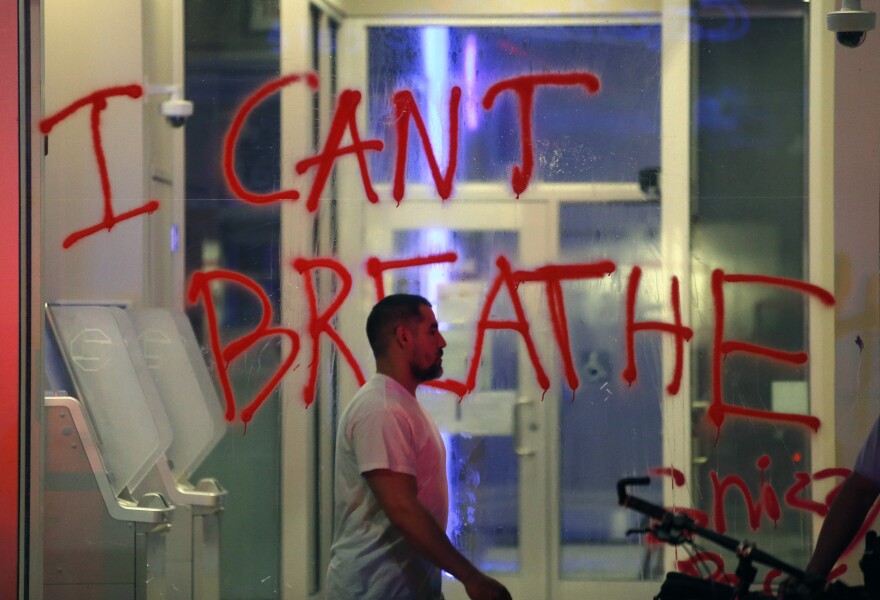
(768, 503)
(718, 409)
(344, 119)
(507, 278)
(235, 128)
(200, 286)
(97, 103)
(375, 267)
(552, 277)
(510, 281)
(524, 88)
(404, 109)
(320, 323)
(520, 324)
(682, 334)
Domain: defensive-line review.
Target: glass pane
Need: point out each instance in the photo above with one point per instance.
(749, 218)
(609, 430)
(746, 213)
(482, 467)
(230, 53)
(607, 136)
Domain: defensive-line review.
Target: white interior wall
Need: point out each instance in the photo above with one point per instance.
(164, 147)
(89, 46)
(857, 242)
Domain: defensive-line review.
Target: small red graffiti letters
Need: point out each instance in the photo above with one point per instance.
(767, 503)
(803, 480)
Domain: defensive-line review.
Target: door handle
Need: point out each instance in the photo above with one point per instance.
(517, 439)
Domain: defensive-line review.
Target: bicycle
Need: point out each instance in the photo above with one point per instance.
(679, 529)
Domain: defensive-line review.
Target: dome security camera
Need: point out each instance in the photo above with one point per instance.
(851, 23)
(176, 111)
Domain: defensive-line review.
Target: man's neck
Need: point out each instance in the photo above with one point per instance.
(401, 376)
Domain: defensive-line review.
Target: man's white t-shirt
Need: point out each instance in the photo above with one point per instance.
(868, 462)
(384, 427)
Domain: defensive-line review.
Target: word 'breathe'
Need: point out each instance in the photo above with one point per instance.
(509, 281)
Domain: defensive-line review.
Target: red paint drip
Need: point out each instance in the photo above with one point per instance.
(405, 108)
(98, 103)
(678, 479)
(524, 88)
(344, 118)
(200, 285)
(235, 128)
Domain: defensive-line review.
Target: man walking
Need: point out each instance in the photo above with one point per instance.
(390, 476)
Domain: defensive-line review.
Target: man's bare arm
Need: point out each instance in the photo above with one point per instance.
(397, 495)
(845, 517)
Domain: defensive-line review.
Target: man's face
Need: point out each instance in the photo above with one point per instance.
(426, 356)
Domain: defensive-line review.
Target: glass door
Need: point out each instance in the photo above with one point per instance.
(608, 422)
(546, 425)
(488, 405)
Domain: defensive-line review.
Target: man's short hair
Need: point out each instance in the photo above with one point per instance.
(387, 314)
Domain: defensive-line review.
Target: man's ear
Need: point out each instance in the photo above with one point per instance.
(401, 335)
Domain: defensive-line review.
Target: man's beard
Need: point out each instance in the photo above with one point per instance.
(434, 371)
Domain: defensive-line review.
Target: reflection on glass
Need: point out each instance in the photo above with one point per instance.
(749, 218)
(482, 467)
(229, 54)
(577, 137)
(607, 429)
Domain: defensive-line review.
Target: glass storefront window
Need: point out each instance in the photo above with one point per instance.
(626, 254)
(578, 136)
(748, 217)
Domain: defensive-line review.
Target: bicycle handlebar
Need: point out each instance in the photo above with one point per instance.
(668, 519)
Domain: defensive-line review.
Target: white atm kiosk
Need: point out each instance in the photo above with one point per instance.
(132, 413)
